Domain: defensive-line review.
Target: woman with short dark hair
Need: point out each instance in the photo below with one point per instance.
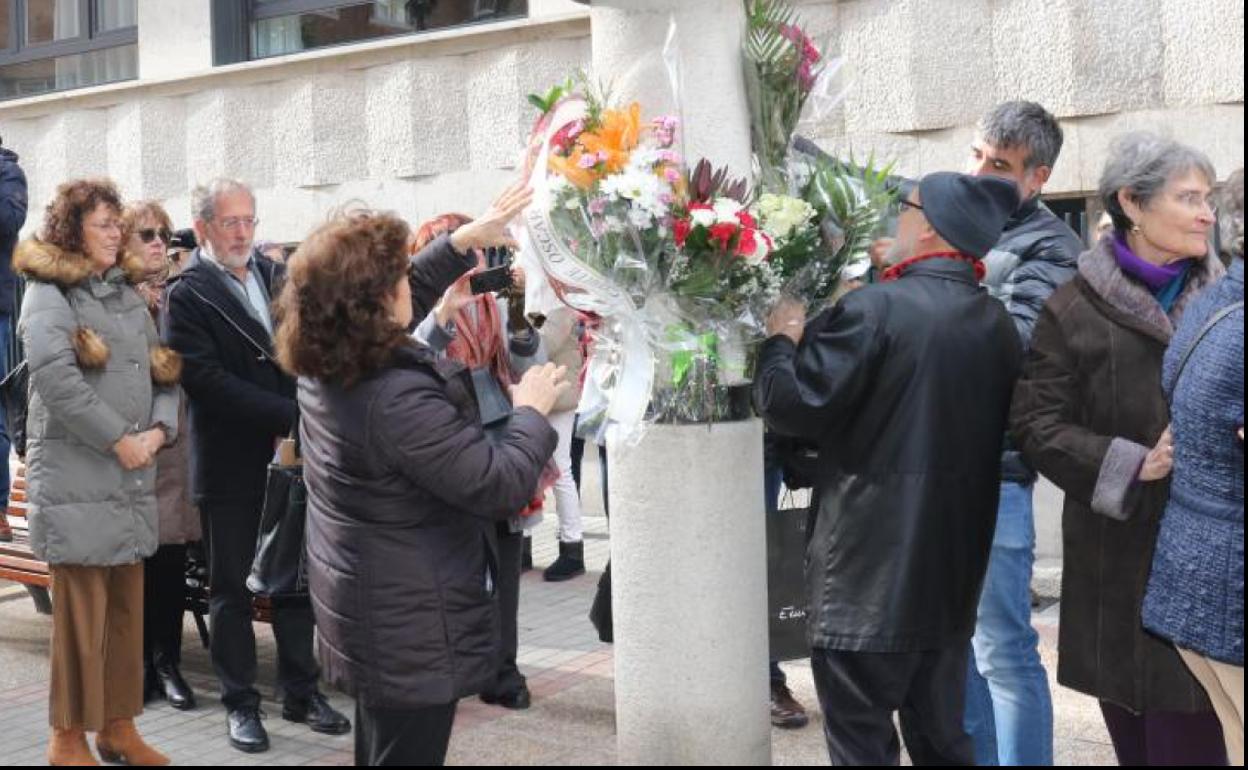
(404, 487)
(103, 401)
(1090, 415)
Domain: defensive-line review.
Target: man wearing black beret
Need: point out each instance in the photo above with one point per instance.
(905, 386)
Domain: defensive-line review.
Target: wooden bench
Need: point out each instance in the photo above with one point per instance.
(20, 565)
(17, 562)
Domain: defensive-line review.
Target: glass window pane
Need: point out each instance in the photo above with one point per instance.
(116, 14)
(369, 20)
(63, 72)
(49, 20)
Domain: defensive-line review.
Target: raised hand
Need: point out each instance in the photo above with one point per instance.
(490, 229)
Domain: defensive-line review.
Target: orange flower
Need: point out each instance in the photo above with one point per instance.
(615, 138)
(569, 168)
(610, 144)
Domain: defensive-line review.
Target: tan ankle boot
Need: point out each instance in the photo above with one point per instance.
(120, 742)
(69, 748)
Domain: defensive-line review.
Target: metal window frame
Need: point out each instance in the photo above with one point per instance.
(88, 39)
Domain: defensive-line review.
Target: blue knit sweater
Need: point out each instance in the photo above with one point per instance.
(1195, 594)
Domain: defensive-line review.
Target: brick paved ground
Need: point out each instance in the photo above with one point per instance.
(569, 670)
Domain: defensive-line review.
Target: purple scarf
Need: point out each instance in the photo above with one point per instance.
(1155, 277)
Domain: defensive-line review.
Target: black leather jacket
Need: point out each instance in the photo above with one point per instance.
(906, 387)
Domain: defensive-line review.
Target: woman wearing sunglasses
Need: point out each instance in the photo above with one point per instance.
(148, 232)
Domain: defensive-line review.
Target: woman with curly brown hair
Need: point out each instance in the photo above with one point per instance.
(103, 401)
(403, 485)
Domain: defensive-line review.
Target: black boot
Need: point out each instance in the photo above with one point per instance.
(526, 555)
(152, 690)
(175, 689)
(571, 562)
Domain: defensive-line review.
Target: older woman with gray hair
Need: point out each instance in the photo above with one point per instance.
(1089, 413)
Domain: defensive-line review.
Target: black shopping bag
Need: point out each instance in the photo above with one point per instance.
(280, 566)
(786, 583)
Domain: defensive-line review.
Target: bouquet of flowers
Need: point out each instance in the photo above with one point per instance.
(783, 68)
(826, 230)
(614, 182)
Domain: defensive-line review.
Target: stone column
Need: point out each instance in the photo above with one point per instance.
(628, 45)
(688, 543)
(689, 592)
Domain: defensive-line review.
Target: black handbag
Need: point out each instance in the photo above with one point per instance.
(15, 395)
(279, 569)
(786, 583)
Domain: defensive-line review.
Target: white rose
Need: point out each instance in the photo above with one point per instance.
(703, 217)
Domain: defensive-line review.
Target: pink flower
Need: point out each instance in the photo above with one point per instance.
(672, 175)
(598, 206)
(588, 161)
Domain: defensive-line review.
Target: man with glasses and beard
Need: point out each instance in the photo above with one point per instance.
(241, 403)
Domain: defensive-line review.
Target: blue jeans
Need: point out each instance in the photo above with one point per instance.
(1009, 711)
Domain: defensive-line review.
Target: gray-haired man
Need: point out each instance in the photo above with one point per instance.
(240, 403)
(1009, 710)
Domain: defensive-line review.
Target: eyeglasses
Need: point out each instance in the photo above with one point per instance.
(149, 234)
(903, 204)
(1197, 202)
(234, 223)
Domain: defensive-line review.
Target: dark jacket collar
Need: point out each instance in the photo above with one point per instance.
(1028, 209)
(946, 269)
(210, 281)
(1129, 301)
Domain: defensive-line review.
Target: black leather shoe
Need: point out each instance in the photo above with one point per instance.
(317, 714)
(247, 733)
(176, 690)
(516, 700)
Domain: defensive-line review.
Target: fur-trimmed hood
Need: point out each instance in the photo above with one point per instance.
(1133, 302)
(42, 261)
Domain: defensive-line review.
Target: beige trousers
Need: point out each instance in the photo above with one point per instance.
(1225, 685)
(97, 645)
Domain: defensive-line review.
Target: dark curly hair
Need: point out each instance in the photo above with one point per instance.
(74, 200)
(333, 321)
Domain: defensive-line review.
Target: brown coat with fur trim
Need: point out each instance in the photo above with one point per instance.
(1087, 410)
(97, 373)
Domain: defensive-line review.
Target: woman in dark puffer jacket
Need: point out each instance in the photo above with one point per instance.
(404, 487)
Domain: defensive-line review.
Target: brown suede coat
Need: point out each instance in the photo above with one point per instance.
(1086, 412)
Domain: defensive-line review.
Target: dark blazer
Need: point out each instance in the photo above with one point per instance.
(1087, 409)
(906, 387)
(240, 401)
(404, 488)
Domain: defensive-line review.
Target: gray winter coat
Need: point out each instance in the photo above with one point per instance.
(94, 357)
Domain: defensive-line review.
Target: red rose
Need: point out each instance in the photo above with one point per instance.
(747, 245)
(681, 229)
(723, 233)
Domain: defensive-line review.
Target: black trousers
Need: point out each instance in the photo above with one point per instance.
(232, 529)
(859, 691)
(164, 599)
(416, 737)
(510, 549)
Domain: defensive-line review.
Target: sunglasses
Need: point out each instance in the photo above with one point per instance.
(150, 234)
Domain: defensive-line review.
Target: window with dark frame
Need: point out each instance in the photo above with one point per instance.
(279, 27)
(56, 45)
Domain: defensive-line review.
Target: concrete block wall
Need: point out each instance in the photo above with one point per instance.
(918, 73)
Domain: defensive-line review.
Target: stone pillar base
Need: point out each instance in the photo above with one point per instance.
(689, 590)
